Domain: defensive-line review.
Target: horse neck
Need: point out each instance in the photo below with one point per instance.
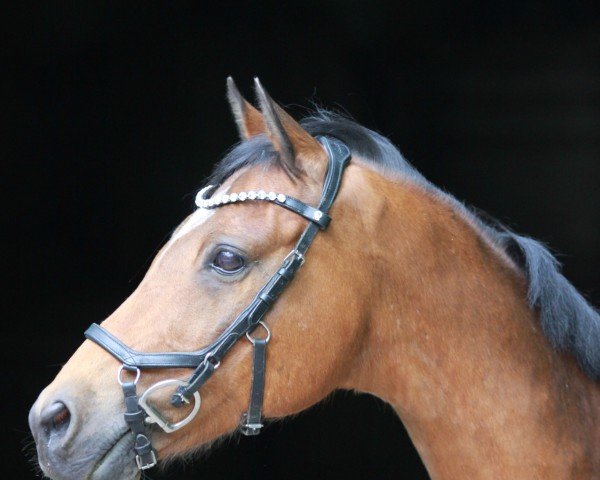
(454, 348)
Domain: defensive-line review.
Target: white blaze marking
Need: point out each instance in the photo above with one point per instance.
(197, 218)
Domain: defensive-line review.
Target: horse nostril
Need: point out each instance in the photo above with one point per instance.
(55, 418)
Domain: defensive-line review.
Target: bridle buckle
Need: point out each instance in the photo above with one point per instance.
(145, 466)
(295, 253)
(249, 429)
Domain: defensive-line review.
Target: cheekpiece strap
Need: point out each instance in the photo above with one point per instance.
(145, 456)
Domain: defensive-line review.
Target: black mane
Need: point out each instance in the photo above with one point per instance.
(569, 322)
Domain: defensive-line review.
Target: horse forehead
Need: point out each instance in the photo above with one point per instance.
(196, 219)
(245, 179)
(200, 216)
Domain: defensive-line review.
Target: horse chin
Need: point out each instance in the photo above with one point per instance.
(118, 462)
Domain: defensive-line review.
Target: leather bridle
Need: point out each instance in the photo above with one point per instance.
(205, 361)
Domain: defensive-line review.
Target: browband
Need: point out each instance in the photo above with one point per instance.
(293, 204)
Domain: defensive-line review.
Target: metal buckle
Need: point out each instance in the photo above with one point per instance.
(297, 254)
(138, 461)
(249, 429)
(154, 416)
(207, 359)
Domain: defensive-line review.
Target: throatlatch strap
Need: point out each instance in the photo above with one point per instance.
(252, 419)
(134, 416)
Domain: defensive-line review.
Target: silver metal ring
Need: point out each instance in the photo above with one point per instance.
(264, 325)
(210, 355)
(120, 372)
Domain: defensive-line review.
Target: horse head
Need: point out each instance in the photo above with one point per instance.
(198, 284)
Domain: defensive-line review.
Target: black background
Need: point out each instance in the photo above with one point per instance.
(115, 113)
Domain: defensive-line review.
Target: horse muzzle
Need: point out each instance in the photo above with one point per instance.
(72, 444)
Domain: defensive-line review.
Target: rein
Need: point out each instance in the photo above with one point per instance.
(139, 412)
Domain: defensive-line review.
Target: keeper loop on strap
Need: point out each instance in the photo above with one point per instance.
(184, 393)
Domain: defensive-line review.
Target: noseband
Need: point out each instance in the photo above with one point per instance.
(205, 361)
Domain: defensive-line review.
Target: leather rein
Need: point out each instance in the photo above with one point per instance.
(139, 412)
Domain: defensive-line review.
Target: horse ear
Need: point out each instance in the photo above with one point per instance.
(298, 150)
(248, 119)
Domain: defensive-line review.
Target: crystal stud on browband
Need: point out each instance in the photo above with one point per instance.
(202, 202)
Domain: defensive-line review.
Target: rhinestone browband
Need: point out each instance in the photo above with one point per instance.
(291, 203)
(237, 197)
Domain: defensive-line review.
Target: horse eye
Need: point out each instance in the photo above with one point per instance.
(227, 261)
